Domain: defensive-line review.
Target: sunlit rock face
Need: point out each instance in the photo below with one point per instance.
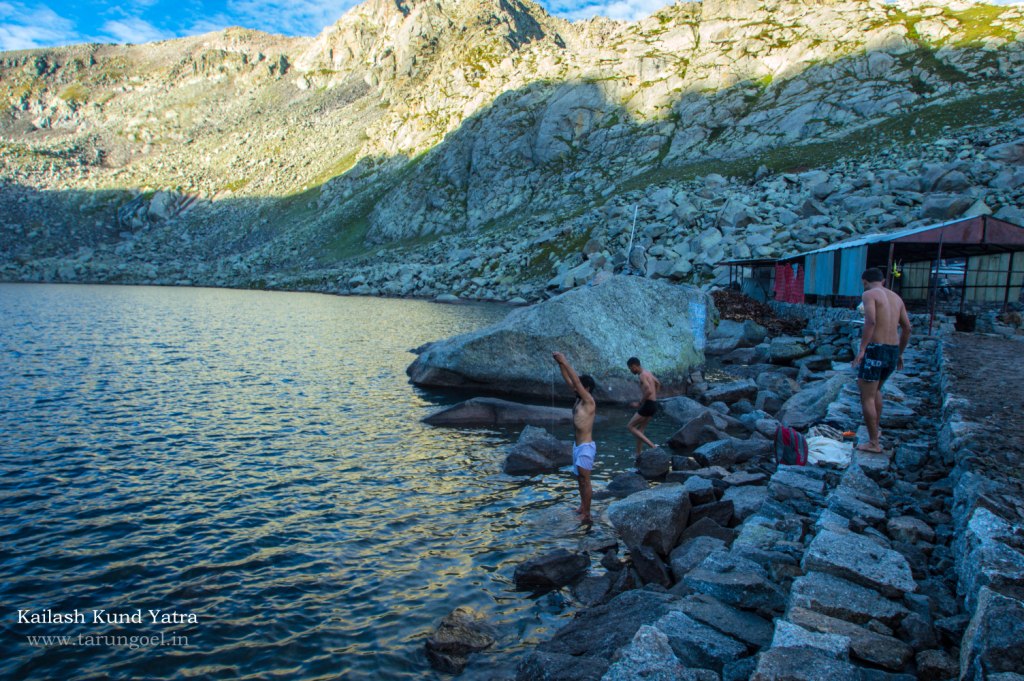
(597, 327)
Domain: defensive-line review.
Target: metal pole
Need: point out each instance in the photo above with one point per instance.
(935, 287)
(1009, 281)
(629, 251)
(963, 286)
(888, 268)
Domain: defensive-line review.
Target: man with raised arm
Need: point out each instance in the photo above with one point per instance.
(583, 450)
(881, 349)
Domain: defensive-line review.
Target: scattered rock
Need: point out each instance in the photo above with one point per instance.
(551, 570)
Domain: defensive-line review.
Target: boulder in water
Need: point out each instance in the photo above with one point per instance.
(598, 327)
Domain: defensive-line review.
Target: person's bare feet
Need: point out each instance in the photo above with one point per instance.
(585, 519)
(870, 447)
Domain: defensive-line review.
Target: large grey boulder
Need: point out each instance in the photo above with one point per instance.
(698, 645)
(802, 664)
(994, 640)
(596, 326)
(754, 631)
(736, 581)
(867, 645)
(654, 517)
(860, 560)
(836, 597)
(491, 411)
(810, 405)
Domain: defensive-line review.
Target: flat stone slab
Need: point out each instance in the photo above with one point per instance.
(746, 627)
(736, 581)
(860, 560)
(789, 635)
(698, 645)
(745, 500)
(836, 597)
(844, 503)
(802, 664)
(865, 644)
(491, 411)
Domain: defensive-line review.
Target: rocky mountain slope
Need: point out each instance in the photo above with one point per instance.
(487, 149)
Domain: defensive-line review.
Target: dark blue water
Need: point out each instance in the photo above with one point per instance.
(255, 460)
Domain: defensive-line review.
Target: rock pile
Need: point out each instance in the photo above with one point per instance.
(752, 570)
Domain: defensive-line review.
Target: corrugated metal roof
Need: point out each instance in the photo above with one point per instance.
(873, 239)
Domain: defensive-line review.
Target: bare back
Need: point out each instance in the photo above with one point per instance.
(649, 385)
(888, 309)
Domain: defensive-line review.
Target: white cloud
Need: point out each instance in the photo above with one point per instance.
(132, 30)
(623, 10)
(23, 27)
(291, 17)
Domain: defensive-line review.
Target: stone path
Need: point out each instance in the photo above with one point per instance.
(834, 573)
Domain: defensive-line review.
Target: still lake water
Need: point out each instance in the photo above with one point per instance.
(256, 460)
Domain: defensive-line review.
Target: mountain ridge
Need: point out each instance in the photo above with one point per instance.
(404, 122)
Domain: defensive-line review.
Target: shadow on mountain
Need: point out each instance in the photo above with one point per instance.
(545, 152)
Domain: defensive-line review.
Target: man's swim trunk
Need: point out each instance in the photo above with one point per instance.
(647, 409)
(583, 457)
(880, 361)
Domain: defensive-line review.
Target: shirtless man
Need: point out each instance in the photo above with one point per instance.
(583, 450)
(647, 406)
(881, 349)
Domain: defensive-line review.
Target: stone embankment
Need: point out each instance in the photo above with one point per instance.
(903, 565)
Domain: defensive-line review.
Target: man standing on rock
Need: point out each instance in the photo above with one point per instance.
(881, 349)
(583, 450)
(647, 407)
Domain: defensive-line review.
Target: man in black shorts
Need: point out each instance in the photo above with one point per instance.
(647, 406)
(885, 337)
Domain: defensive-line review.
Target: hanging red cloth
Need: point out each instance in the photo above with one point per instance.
(789, 283)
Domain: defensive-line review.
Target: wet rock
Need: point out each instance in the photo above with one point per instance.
(648, 656)
(654, 517)
(625, 484)
(491, 411)
(836, 597)
(753, 631)
(461, 633)
(802, 664)
(654, 463)
(866, 645)
(551, 570)
(736, 581)
(596, 631)
(698, 645)
(546, 666)
(592, 589)
(691, 553)
(860, 560)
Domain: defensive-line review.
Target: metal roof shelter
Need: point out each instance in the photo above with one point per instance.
(969, 260)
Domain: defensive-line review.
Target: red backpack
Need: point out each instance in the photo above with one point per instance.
(790, 447)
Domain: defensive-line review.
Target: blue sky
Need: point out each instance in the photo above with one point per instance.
(26, 24)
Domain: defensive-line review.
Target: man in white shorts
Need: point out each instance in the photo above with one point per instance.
(584, 450)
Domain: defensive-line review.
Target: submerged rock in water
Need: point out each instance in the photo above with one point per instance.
(491, 411)
(461, 632)
(598, 328)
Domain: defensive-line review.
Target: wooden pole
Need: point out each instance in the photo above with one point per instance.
(963, 286)
(888, 268)
(1009, 280)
